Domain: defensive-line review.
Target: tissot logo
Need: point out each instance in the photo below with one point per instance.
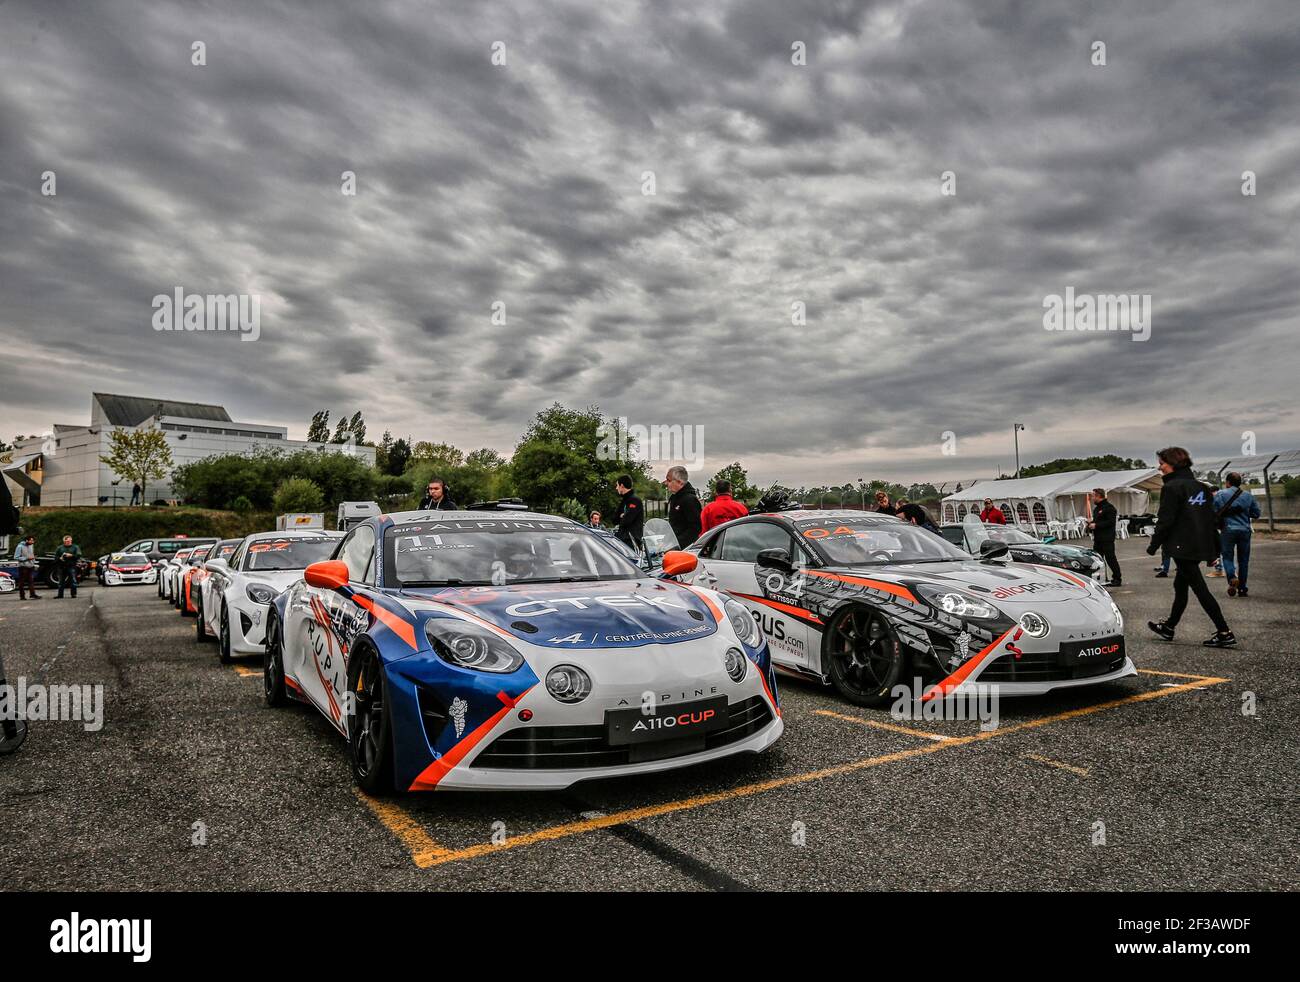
(554, 605)
(674, 722)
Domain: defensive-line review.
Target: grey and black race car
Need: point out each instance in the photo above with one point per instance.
(1022, 547)
(866, 602)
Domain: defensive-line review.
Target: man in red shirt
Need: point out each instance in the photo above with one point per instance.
(991, 515)
(723, 507)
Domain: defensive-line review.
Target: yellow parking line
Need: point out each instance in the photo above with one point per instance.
(429, 854)
(1056, 763)
(878, 724)
(424, 851)
(1176, 675)
(243, 671)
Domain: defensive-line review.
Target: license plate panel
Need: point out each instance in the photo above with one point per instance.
(1100, 651)
(686, 720)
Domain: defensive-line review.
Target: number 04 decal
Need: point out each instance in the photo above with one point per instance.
(776, 583)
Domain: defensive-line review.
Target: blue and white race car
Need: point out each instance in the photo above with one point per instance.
(494, 650)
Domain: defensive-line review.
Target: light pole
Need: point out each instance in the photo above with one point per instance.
(862, 492)
(1015, 432)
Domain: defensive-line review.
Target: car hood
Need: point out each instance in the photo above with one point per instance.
(1007, 585)
(611, 614)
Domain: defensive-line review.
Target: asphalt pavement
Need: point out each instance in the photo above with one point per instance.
(1182, 778)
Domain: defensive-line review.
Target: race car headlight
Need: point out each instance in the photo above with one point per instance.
(467, 645)
(957, 603)
(743, 623)
(568, 683)
(736, 664)
(1119, 617)
(1035, 625)
(259, 593)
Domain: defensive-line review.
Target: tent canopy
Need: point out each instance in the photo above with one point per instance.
(1055, 497)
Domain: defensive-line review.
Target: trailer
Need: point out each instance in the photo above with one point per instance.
(354, 513)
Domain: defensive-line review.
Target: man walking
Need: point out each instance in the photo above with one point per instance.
(723, 508)
(136, 490)
(1103, 522)
(683, 506)
(1186, 527)
(1235, 507)
(629, 516)
(25, 555)
(436, 497)
(66, 558)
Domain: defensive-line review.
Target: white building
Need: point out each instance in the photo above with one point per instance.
(63, 467)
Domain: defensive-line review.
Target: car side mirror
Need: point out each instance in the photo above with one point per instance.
(992, 549)
(774, 559)
(218, 564)
(331, 574)
(677, 562)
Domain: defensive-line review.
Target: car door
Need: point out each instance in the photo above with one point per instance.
(731, 567)
(326, 624)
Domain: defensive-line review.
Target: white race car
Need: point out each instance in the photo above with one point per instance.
(867, 602)
(238, 591)
(128, 567)
(169, 573)
(488, 650)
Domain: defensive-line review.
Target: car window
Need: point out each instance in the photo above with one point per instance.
(742, 543)
(357, 551)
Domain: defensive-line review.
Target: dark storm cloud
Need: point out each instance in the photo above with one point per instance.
(775, 184)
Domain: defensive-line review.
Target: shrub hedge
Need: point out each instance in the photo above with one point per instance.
(101, 530)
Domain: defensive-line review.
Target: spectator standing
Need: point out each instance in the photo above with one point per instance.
(25, 555)
(1235, 507)
(723, 508)
(66, 558)
(990, 514)
(1186, 526)
(436, 497)
(884, 505)
(684, 506)
(594, 521)
(136, 491)
(1104, 519)
(629, 517)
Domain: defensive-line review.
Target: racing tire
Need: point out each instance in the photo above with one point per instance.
(200, 629)
(273, 690)
(863, 657)
(370, 724)
(223, 637)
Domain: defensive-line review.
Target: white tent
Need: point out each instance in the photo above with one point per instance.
(1035, 502)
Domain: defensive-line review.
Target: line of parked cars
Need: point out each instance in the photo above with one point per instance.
(500, 648)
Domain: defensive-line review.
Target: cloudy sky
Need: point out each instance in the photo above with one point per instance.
(524, 184)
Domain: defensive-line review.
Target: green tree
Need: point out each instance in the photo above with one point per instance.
(319, 430)
(381, 452)
(398, 457)
(562, 456)
(1100, 462)
(298, 494)
(139, 456)
(741, 489)
(357, 427)
(215, 481)
(341, 431)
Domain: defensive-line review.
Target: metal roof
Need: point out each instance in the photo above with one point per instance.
(134, 410)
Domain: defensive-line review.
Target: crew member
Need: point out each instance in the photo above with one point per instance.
(683, 506)
(25, 556)
(66, 558)
(629, 517)
(1185, 526)
(1103, 522)
(723, 507)
(436, 497)
(992, 515)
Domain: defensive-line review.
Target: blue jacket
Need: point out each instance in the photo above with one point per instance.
(1237, 518)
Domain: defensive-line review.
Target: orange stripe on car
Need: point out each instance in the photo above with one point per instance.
(964, 672)
(430, 777)
(1060, 572)
(403, 628)
(713, 608)
(891, 588)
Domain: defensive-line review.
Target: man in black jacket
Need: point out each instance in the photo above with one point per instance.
(1103, 521)
(629, 517)
(436, 497)
(683, 506)
(1187, 529)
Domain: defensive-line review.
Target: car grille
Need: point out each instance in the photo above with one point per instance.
(562, 748)
(1043, 667)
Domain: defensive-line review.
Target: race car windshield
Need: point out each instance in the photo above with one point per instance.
(999, 533)
(498, 552)
(276, 554)
(130, 558)
(857, 543)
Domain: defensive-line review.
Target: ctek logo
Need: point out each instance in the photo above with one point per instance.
(532, 607)
(96, 935)
(1099, 650)
(670, 722)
